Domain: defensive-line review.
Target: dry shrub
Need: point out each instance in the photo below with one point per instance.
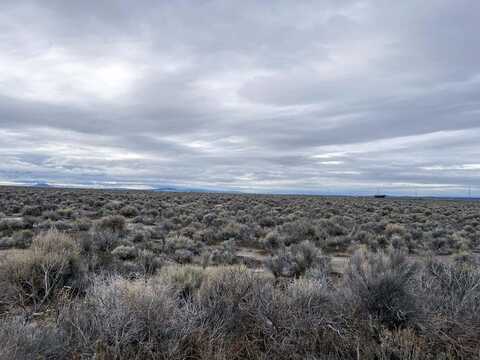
(188, 312)
(32, 211)
(395, 229)
(272, 241)
(180, 242)
(382, 287)
(129, 211)
(122, 319)
(226, 255)
(113, 223)
(124, 252)
(24, 341)
(226, 307)
(185, 280)
(403, 344)
(296, 231)
(22, 239)
(36, 275)
(296, 260)
(452, 300)
(104, 240)
(149, 262)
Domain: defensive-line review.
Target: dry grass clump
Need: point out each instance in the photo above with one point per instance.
(34, 276)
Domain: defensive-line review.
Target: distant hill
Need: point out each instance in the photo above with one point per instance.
(189, 189)
(41, 185)
(167, 189)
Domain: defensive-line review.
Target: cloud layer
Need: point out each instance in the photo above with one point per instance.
(323, 96)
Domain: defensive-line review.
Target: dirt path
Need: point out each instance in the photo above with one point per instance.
(258, 257)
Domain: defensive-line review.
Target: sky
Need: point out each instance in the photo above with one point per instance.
(324, 96)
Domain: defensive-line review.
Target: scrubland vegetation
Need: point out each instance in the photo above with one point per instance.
(90, 274)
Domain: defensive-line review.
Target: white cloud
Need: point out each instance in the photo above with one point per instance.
(346, 95)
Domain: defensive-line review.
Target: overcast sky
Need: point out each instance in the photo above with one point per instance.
(332, 96)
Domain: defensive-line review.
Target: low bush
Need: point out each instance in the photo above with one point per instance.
(125, 252)
(149, 262)
(295, 260)
(20, 340)
(452, 299)
(272, 241)
(226, 255)
(11, 225)
(187, 312)
(129, 211)
(22, 239)
(179, 242)
(296, 231)
(185, 280)
(382, 288)
(302, 321)
(36, 275)
(113, 223)
(121, 319)
(228, 301)
(82, 224)
(138, 302)
(104, 240)
(32, 211)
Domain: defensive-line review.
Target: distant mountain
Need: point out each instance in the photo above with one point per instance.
(167, 189)
(188, 189)
(41, 185)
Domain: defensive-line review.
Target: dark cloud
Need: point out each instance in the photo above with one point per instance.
(337, 96)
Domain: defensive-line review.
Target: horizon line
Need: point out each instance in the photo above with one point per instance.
(188, 189)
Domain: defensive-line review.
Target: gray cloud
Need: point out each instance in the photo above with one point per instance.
(327, 96)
